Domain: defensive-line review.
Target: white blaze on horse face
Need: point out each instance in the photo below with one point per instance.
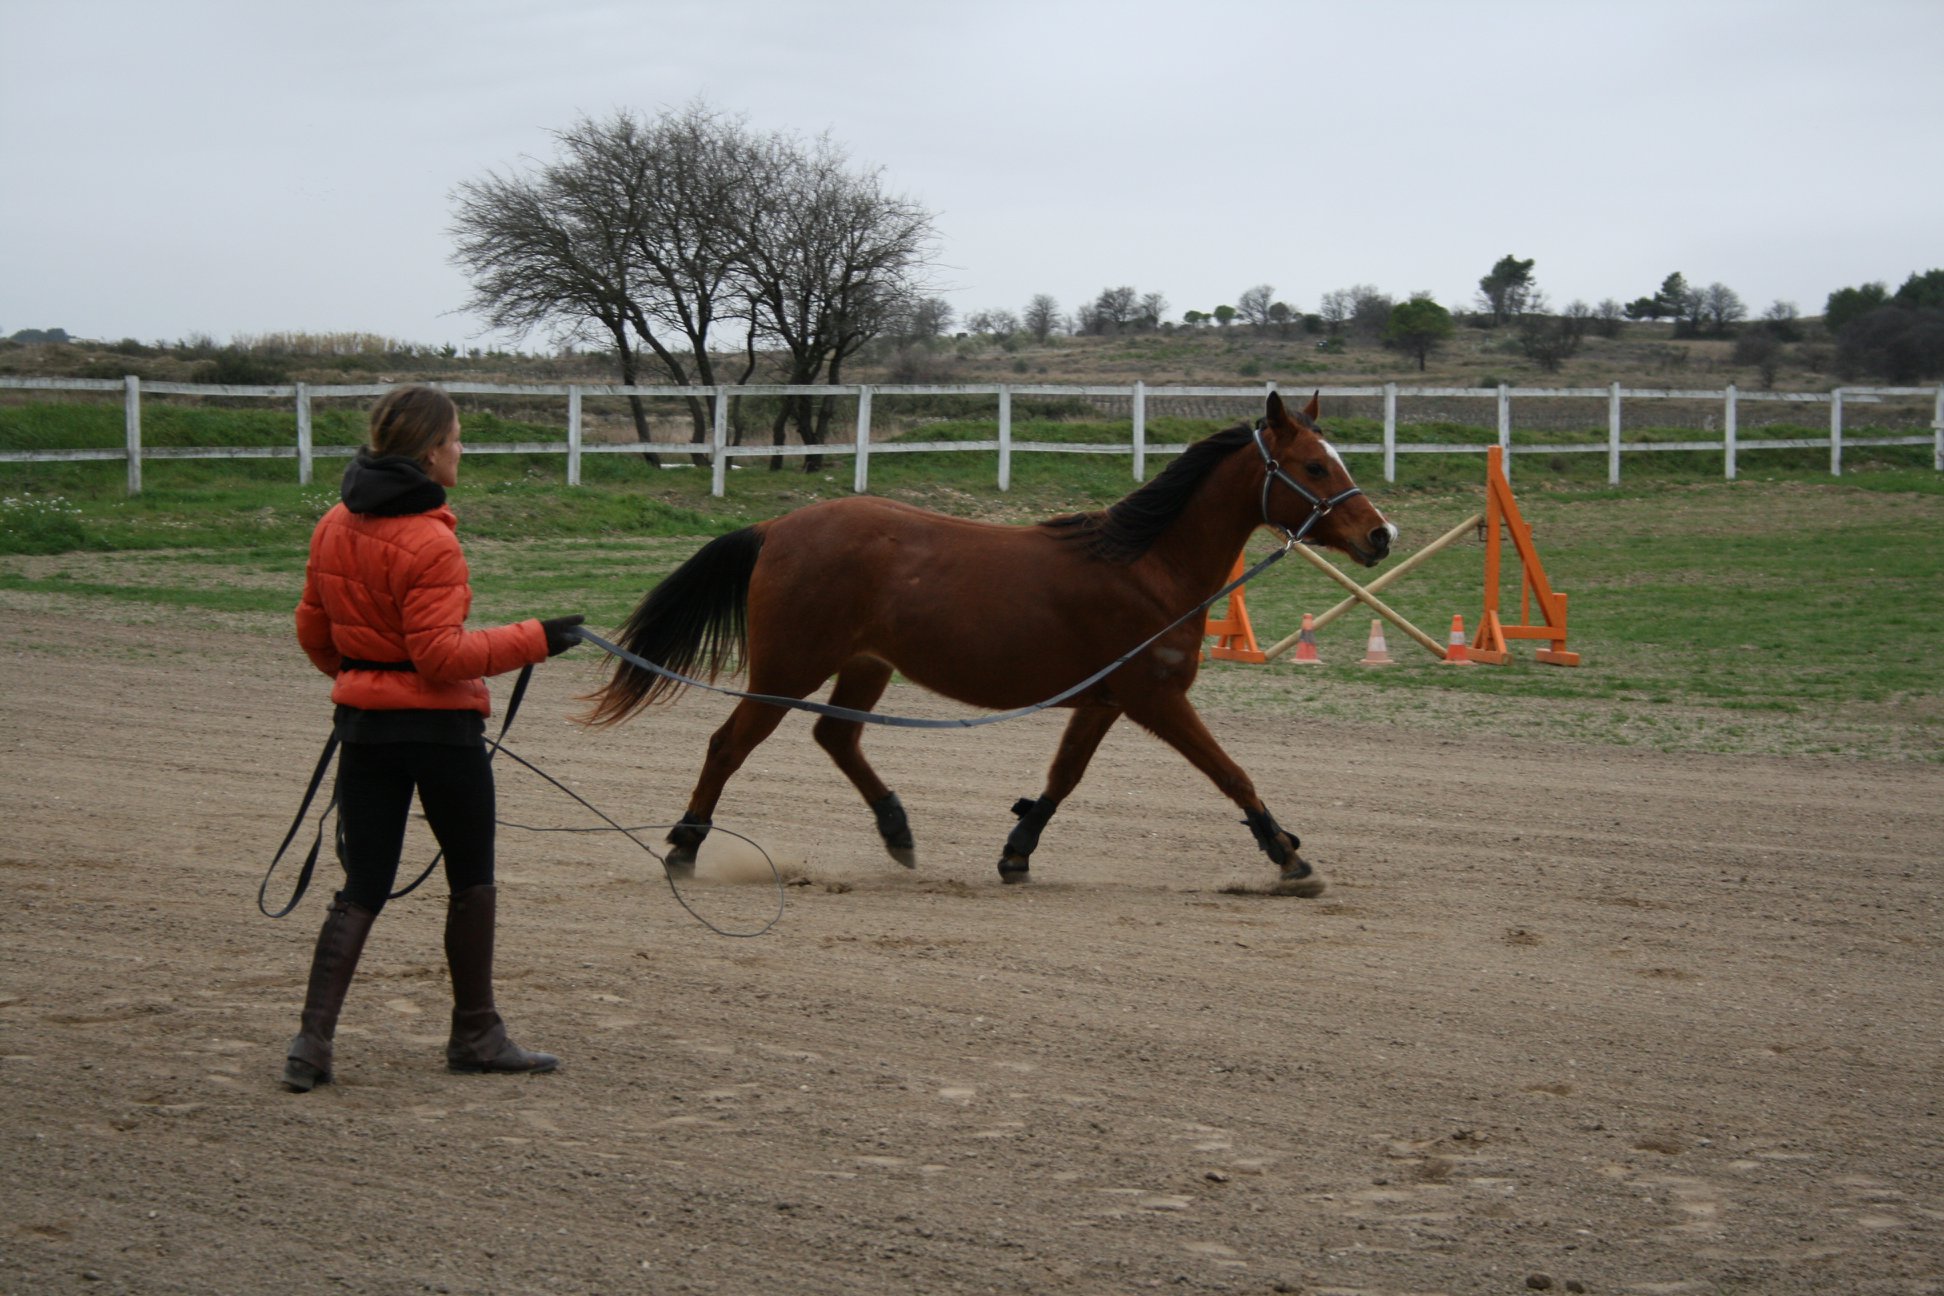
(1332, 452)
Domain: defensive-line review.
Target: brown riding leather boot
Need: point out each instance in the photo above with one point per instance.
(479, 1041)
(339, 943)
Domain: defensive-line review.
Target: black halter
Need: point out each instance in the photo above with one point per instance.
(1319, 507)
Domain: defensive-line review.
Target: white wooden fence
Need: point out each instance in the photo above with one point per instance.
(1729, 444)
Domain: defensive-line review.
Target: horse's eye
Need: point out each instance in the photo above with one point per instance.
(1315, 469)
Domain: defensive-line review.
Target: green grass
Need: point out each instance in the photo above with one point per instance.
(1784, 613)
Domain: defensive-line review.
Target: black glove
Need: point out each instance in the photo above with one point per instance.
(557, 629)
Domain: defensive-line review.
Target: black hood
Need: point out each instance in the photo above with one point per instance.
(389, 486)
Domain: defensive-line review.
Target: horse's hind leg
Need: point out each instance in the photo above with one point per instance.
(1087, 726)
(729, 747)
(861, 681)
(1172, 719)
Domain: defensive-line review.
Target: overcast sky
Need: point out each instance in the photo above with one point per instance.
(243, 166)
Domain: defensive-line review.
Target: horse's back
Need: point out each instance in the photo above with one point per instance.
(990, 614)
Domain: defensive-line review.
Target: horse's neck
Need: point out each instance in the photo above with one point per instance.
(1199, 550)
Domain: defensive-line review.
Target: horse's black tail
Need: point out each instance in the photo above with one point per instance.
(696, 618)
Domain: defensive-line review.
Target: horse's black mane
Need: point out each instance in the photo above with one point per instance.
(1124, 531)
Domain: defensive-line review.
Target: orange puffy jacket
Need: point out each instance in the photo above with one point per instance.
(392, 587)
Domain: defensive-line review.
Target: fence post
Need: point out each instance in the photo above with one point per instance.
(718, 455)
(1390, 431)
(303, 435)
(1613, 435)
(1729, 432)
(1140, 431)
(132, 424)
(1937, 431)
(1505, 428)
(1005, 436)
(573, 434)
(861, 476)
(1836, 432)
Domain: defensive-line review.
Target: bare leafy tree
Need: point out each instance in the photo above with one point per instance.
(543, 250)
(1253, 306)
(1042, 317)
(1153, 307)
(623, 234)
(926, 319)
(1720, 309)
(1783, 320)
(829, 259)
(653, 234)
(1116, 309)
(1370, 310)
(1607, 317)
(1336, 307)
(999, 324)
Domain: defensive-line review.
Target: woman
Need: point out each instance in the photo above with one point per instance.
(386, 594)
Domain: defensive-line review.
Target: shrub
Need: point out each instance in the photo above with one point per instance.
(234, 368)
(1759, 350)
(1893, 343)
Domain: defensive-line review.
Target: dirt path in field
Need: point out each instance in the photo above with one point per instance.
(1613, 1021)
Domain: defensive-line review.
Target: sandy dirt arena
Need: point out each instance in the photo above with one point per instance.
(1569, 1019)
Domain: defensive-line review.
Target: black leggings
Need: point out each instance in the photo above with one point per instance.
(375, 782)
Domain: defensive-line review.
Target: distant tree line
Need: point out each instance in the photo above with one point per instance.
(1895, 336)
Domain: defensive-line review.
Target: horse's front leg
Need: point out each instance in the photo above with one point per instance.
(1087, 726)
(1173, 719)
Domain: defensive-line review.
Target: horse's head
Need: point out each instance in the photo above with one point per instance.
(1307, 492)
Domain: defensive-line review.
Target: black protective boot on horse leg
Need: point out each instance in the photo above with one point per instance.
(686, 838)
(479, 1041)
(895, 828)
(1024, 838)
(1279, 844)
(340, 941)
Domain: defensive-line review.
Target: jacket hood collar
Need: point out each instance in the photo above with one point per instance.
(389, 486)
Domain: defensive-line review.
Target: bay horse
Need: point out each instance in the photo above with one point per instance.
(994, 616)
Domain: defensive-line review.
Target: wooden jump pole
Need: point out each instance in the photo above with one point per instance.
(1362, 595)
(1452, 536)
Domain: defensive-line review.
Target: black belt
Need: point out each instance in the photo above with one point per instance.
(359, 663)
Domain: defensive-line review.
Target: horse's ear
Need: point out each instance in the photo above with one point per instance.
(1309, 410)
(1278, 415)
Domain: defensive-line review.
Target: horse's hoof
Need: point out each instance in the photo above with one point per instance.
(905, 855)
(679, 863)
(1298, 878)
(1014, 868)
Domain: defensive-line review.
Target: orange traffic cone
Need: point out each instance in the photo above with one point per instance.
(1305, 654)
(1376, 654)
(1456, 654)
